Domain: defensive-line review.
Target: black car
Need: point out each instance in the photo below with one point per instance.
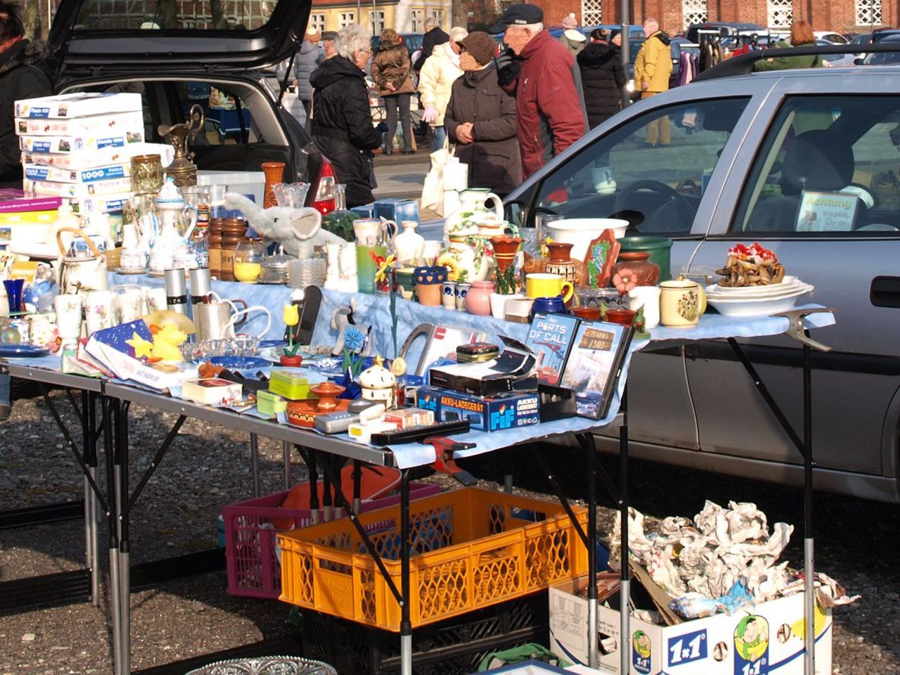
(180, 57)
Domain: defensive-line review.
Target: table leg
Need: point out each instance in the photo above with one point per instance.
(125, 535)
(405, 619)
(91, 501)
(588, 444)
(286, 455)
(809, 566)
(254, 461)
(112, 522)
(625, 591)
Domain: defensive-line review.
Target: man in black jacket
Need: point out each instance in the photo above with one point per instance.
(20, 78)
(433, 37)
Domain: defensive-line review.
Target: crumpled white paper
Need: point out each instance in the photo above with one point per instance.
(708, 555)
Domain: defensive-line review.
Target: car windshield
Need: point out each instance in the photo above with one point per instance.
(654, 167)
(174, 15)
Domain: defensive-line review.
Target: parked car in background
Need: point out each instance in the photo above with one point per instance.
(748, 157)
(721, 29)
(95, 46)
(829, 36)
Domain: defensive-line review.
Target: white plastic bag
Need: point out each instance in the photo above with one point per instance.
(433, 186)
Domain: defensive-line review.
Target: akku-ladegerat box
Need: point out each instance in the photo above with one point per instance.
(483, 414)
(131, 125)
(763, 640)
(83, 104)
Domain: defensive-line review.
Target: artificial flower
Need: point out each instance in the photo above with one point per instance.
(384, 269)
(291, 317)
(624, 279)
(354, 340)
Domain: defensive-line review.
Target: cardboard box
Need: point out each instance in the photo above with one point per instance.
(716, 645)
(77, 105)
(294, 384)
(76, 190)
(113, 203)
(211, 391)
(82, 144)
(484, 414)
(89, 175)
(30, 226)
(88, 159)
(395, 209)
(131, 125)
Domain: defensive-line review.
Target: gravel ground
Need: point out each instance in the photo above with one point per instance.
(208, 467)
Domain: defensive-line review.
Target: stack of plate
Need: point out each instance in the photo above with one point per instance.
(757, 300)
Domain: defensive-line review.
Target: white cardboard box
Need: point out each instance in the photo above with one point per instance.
(130, 124)
(76, 190)
(716, 645)
(84, 104)
(87, 159)
(58, 174)
(86, 143)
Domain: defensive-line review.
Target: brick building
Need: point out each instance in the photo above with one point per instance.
(842, 16)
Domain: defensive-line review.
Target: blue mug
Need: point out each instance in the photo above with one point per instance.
(552, 305)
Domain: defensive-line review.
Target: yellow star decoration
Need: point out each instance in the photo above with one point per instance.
(141, 346)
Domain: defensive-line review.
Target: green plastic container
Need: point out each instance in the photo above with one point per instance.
(658, 247)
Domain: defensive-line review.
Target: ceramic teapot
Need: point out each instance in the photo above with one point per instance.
(474, 217)
(467, 258)
(173, 223)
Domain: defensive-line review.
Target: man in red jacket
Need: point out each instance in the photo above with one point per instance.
(548, 106)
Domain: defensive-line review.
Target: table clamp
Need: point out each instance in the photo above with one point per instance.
(443, 458)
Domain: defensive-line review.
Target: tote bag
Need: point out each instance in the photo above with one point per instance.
(433, 186)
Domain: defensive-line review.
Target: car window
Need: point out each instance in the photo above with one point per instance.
(660, 185)
(828, 165)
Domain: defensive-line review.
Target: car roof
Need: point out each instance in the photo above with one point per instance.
(111, 35)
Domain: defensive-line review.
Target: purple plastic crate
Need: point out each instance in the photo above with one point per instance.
(250, 541)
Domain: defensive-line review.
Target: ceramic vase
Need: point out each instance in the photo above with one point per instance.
(274, 172)
(560, 260)
(478, 299)
(643, 270)
(14, 288)
(409, 245)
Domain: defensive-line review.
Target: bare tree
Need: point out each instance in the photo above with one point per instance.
(460, 13)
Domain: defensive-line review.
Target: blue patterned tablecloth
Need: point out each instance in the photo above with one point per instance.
(375, 311)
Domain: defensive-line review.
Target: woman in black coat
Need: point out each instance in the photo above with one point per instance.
(481, 119)
(342, 125)
(602, 79)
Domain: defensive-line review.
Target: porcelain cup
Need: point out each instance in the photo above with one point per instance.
(681, 303)
(648, 298)
(98, 310)
(543, 285)
(68, 316)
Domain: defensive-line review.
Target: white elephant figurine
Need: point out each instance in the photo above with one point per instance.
(299, 230)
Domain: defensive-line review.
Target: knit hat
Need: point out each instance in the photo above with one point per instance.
(573, 35)
(481, 46)
(329, 35)
(570, 21)
(614, 33)
(313, 35)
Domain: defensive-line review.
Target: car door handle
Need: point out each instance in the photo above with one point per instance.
(885, 292)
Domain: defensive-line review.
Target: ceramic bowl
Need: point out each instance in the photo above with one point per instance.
(580, 232)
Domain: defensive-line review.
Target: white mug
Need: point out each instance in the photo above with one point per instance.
(68, 316)
(648, 298)
(98, 310)
(155, 299)
(129, 306)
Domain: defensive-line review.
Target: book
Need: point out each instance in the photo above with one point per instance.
(550, 337)
(115, 348)
(594, 366)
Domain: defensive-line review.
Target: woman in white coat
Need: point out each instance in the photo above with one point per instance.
(436, 81)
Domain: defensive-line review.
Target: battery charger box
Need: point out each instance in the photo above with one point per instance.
(483, 414)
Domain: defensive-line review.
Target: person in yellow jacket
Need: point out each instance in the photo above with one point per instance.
(652, 68)
(436, 82)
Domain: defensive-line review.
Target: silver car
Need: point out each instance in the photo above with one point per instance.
(746, 152)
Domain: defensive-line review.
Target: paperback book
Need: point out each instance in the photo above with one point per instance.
(594, 366)
(550, 337)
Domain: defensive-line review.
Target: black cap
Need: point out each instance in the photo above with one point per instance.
(329, 35)
(522, 14)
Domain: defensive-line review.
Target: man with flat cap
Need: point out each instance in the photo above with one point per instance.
(328, 38)
(548, 105)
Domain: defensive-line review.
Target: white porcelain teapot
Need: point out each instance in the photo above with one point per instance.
(474, 217)
(174, 221)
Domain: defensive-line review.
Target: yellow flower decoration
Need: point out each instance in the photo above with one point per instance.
(381, 276)
(291, 314)
(141, 346)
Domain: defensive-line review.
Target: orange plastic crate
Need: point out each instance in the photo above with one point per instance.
(470, 548)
